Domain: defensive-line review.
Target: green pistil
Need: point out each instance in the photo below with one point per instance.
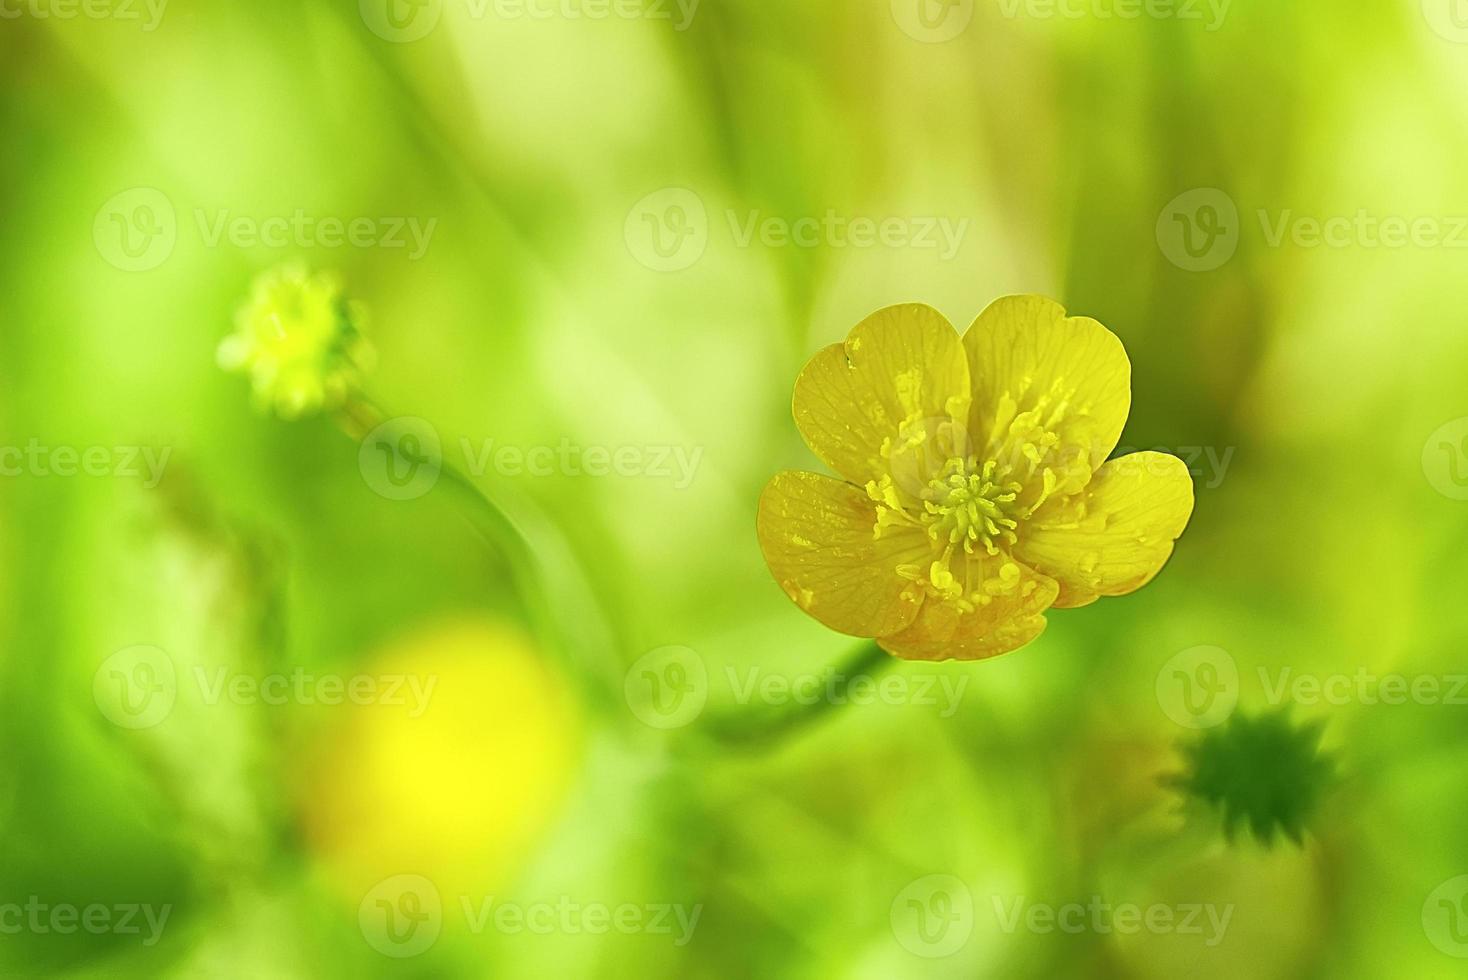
(966, 503)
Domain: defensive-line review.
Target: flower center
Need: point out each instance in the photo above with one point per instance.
(970, 503)
(970, 511)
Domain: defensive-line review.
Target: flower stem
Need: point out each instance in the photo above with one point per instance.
(574, 624)
(758, 728)
(579, 630)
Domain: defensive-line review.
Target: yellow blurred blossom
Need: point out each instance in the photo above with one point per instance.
(300, 342)
(458, 781)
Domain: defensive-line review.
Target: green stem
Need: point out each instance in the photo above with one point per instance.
(758, 728)
(509, 542)
(753, 728)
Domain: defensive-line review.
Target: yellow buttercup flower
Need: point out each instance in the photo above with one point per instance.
(976, 491)
(300, 341)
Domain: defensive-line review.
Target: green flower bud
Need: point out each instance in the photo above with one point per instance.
(1263, 771)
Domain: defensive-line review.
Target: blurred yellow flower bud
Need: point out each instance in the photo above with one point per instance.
(456, 781)
(300, 341)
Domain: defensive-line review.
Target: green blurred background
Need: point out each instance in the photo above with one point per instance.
(584, 178)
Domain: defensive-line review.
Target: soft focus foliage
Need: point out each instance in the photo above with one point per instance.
(589, 235)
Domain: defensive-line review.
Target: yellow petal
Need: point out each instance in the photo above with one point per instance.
(901, 371)
(1114, 536)
(942, 631)
(816, 535)
(1026, 355)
